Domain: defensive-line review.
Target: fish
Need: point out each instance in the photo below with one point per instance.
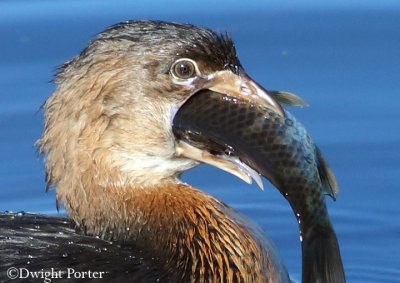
(279, 148)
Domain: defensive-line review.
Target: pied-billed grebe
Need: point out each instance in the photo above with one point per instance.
(111, 154)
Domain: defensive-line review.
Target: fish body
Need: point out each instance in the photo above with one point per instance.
(279, 148)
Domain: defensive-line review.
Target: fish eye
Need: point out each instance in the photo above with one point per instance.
(184, 69)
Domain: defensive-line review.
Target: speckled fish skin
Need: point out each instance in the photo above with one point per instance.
(280, 149)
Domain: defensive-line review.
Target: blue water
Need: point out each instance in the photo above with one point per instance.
(342, 57)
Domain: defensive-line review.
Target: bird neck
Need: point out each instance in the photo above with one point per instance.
(192, 233)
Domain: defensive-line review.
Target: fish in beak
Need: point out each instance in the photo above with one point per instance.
(236, 125)
(245, 88)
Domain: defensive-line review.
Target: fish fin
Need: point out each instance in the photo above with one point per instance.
(329, 183)
(321, 256)
(287, 98)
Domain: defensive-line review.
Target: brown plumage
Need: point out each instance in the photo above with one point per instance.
(111, 155)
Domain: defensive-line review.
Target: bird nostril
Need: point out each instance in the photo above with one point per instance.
(245, 89)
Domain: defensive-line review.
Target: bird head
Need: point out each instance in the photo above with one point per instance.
(109, 121)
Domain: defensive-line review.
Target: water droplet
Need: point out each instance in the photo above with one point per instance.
(289, 122)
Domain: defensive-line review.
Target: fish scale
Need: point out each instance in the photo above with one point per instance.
(280, 149)
(285, 148)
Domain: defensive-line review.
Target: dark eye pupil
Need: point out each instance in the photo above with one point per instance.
(184, 69)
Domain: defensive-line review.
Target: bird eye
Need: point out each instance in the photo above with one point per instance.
(183, 69)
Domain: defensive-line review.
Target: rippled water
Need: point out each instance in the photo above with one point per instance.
(343, 58)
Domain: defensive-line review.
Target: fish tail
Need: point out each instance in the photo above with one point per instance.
(321, 256)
